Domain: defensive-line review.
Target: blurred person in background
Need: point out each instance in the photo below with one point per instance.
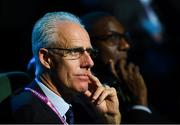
(112, 67)
(154, 28)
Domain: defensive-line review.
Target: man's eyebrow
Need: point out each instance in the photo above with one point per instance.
(111, 31)
(79, 47)
(76, 47)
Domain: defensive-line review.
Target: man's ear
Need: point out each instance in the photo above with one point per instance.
(45, 58)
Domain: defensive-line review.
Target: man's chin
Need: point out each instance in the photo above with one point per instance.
(83, 88)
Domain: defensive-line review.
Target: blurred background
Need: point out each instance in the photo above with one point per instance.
(153, 25)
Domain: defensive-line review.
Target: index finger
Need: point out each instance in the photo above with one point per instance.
(94, 80)
(123, 71)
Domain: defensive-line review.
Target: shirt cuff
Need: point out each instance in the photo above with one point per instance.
(141, 107)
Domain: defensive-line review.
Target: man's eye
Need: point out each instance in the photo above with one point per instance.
(72, 52)
(75, 51)
(78, 50)
(114, 37)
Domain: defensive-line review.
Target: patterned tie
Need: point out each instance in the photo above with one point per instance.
(70, 116)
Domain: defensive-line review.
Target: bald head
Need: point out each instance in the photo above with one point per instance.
(65, 34)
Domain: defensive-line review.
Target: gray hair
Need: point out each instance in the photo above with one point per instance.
(44, 33)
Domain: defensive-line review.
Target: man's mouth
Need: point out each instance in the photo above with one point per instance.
(83, 77)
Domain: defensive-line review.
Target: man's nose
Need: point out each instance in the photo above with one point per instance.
(87, 60)
(123, 45)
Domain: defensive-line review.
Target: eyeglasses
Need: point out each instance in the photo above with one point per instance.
(113, 39)
(75, 53)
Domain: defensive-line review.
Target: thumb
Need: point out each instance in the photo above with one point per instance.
(123, 71)
(113, 69)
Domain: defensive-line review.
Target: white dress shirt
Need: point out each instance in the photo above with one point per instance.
(141, 107)
(58, 102)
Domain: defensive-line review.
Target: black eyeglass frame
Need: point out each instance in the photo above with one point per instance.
(91, 51)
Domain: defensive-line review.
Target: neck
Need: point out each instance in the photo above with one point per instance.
(56, 87)
(46, 80)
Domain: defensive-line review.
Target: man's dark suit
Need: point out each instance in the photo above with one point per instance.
(24, 107)
(129, 115)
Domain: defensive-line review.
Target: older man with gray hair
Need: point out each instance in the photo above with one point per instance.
(64, 89)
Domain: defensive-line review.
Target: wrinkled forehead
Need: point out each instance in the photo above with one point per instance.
(72, 34)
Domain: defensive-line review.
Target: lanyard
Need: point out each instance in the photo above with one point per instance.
(47, 102)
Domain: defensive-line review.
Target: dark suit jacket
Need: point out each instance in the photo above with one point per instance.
(128, 114)
(24, 107)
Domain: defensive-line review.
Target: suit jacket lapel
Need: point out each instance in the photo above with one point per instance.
(47, 111)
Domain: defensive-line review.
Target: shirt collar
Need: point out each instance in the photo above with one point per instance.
(58, 102)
